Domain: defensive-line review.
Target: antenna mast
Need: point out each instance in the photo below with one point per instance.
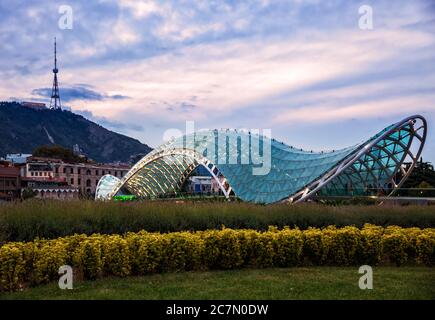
(55, 97)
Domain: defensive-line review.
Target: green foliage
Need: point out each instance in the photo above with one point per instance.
(12, 265)
(28, 193)
(342, 245)
(395, 243)
(88, 257)
(47, 257)
(370, 250)
(422, 176)
(96, 256)
(425, 247)
(58, 152)
(23, 129)
(51, 219)
(315, 246)
(419, 190)
(319, 283)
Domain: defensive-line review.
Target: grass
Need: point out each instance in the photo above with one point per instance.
(51, 219)
(287, 283)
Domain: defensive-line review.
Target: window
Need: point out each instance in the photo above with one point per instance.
(116, 173)
(88, 183)
(72, 170)
(79, 181)
(79, 171)
(96, 172)
(56, 170)
(104, 172)
(32, 174)
(88, 172)
(64, 169)
(72, 181)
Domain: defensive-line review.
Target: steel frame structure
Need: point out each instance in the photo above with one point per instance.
(360, 155)
(178, 163)
(374, 163)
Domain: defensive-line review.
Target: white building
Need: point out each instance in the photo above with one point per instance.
(18, 158)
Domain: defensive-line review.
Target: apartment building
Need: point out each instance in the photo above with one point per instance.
(83, 177)
(9, 181)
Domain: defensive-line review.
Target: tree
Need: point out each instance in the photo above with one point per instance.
(58, 152)
(424, 189)
(28, 193)
(421, 177)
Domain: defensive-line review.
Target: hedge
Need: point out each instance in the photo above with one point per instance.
(31, 263)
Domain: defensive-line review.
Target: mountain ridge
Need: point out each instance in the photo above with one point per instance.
(22, 129)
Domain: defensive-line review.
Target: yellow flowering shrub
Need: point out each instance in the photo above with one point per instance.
(263, 247)
(23, 264)
(395, 244)
(222, 249)
(425, 247)
(115, 256)
(48, 257)
(87, 257)
(12, 265)
(182, 251)
(248, 240)
(411, 235)
(287, 247)
(342, 244)
(315, 246)
(370, 246)
(146, 252)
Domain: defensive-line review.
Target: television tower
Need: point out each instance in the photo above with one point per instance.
(55, 97)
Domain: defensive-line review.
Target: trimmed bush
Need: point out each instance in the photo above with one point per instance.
(316, 246)
(88, 256)
(342, 244)
(12, 265)
(222, 249)
(370, 246)
(425, 247)
(115, 256)
(23, 264)
(47, 257)
(395, 244)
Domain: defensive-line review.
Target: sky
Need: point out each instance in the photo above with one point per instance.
(304, 69)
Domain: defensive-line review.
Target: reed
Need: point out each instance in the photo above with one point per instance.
(28, 220)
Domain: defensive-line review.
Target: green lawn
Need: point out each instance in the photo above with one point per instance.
(289, 283)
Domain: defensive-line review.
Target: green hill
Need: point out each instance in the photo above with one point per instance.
(23, 129)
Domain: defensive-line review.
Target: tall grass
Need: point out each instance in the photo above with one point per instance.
(50, 219)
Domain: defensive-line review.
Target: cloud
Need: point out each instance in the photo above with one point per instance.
(124, 33)
(248, 63)
(332, 113)
(232, 76)
(78, 92)
(103, 121)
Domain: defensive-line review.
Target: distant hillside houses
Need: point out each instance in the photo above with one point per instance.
(34, 105)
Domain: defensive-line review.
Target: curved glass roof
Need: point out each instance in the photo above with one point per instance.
(261, 170)
(105, 186)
